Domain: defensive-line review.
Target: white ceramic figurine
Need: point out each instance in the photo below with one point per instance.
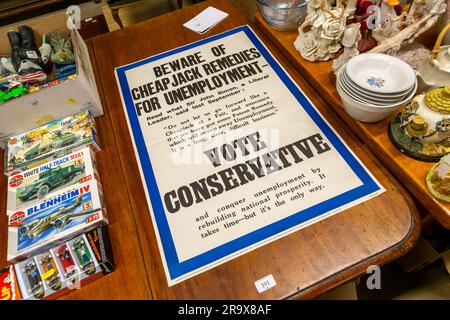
(421, 17)
(320, 34)
(352, 35)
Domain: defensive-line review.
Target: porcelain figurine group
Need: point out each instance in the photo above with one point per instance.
(385, 26)
(321, 33)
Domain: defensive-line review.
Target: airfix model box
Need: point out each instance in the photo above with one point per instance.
(34, 148)
(9, 289)
(51, 177)
(67, 266)
(56, 218)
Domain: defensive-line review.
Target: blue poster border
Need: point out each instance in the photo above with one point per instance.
(175, 267)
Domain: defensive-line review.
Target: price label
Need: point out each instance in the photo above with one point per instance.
(85, 179)
(265, 283)
(32, 55)
(93, 218)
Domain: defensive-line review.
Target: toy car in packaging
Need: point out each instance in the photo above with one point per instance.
(50, 273)
(57, 217)
(84, 257)
(39, 276)
(29, 279)
(67, 263)
(33, 148)
(67, 266)
(32, 185)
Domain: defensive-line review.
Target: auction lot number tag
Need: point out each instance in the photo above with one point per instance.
(265, 283)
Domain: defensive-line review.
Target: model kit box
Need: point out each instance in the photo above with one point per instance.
(51, 102)
(34, 148)
(67, 266)
(49, 178)
(36, 228)
(9, 289)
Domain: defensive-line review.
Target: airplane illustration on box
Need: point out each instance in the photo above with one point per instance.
(57, 220)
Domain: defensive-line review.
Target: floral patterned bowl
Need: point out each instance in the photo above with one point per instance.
(381, 73)
(360, 95)
(364, 111)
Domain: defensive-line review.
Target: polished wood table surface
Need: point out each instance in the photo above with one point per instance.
(410, 172)
(304, 264)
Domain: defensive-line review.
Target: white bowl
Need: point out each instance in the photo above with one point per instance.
(388, 97)
(379, 72)
(369, 112)
(382, 95)
(364, 97)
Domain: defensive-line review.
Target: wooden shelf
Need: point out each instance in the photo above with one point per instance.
(409, 171)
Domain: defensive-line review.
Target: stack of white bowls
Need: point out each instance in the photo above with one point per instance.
(373, 85)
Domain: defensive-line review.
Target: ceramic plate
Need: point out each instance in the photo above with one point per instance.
(378, 72)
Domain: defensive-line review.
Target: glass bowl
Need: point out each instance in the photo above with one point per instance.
(282, 14)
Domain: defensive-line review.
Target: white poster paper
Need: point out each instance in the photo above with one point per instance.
(232, 154)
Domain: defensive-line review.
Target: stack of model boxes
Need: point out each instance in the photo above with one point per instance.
(56, 218)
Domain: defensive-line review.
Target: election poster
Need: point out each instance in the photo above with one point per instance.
(231, 152)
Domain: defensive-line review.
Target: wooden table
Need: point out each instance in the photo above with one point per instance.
(304, 264)
(409, 171)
